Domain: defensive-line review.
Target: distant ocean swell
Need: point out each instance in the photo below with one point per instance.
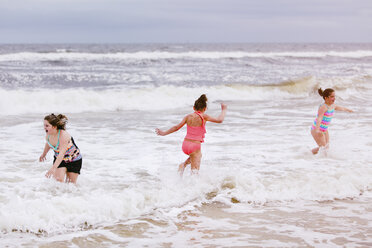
(143, 55)
(77, 100)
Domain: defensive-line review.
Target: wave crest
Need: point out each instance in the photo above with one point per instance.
(154, 55)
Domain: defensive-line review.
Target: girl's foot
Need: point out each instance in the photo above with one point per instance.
(315, 150)
(181, 169)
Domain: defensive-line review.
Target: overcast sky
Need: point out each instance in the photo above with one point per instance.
(123, 21)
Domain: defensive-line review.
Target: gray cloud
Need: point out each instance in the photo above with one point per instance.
(30, 21)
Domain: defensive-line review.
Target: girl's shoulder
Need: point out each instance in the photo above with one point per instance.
(189, 115)
(327, 107)
(330, 107)
(195, 114)
(65, 135)
(202, 114)
(322, 108)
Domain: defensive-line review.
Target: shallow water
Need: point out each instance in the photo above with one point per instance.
(259, 185)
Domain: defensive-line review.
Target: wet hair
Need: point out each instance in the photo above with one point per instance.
(325, 93)
(201, 102)
(58, 121)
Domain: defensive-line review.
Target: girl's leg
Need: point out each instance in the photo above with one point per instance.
(326, 139)
(195, 158)
(320, 139)
(182, 166)
(60, 174)
(71, 177)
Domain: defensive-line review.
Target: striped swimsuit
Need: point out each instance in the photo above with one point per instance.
(72, 154)
(327, 117)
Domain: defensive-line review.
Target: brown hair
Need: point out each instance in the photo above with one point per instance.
(58, 121)
(326, 92)
(201, 103)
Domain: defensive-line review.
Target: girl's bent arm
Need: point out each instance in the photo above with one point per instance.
(220, 118)
(321, 112)
(62, 150)
(46, 150)
(172, 129)
(340, 108)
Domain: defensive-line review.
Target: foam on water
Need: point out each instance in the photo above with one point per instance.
(258, 178)
(150, 98)
(13, 102)
(63, 55)
(252, 167)
(41, 205)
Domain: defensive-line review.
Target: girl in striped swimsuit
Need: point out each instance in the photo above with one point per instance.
(319, 129)
(67, 158)
(195, 132)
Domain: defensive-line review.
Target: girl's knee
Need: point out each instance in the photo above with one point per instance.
(198, 155)
(59, 179)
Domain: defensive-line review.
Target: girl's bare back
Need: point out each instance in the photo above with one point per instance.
(194, 120)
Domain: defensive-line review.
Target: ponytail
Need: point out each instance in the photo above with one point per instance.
(58, 121)
(201, 103)
(326, 92)
(320, 91)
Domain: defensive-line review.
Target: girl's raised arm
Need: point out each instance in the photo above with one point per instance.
(220, 118)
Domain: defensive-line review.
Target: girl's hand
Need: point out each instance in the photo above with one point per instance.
(42, 158)
(223, 106)
(50, 172)
(159, 132)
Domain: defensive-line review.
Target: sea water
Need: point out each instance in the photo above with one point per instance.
(258, 186)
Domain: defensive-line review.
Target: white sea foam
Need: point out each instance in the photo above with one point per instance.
(42, 205)
(32, 56)
(78, 100)
(257, 164)
(47, 206)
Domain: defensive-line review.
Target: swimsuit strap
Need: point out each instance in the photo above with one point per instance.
(324, 104)
(328, 107)
(73, 142)
(198, 113)
(55, 147)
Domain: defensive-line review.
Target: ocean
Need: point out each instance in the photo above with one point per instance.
(258, 186)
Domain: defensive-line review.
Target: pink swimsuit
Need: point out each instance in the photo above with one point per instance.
(194, 133)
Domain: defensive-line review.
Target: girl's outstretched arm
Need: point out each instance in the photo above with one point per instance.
(220, 118)
(340, 108)
(172, 129)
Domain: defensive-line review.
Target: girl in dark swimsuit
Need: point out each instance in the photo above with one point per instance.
(67, 158)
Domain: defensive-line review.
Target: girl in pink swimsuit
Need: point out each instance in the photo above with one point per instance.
(195, 132)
